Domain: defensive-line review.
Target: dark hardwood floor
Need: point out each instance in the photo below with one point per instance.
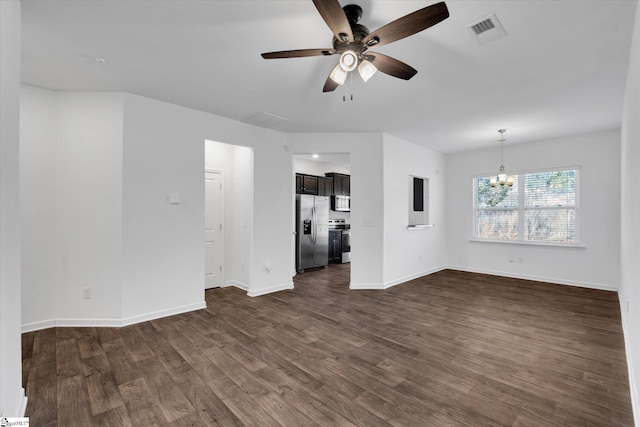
(449, 349)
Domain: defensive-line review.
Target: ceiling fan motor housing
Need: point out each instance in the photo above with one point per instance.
(359, 33)
(353, 13)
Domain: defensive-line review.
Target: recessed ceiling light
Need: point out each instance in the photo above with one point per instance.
(101, 60)
(315, 156)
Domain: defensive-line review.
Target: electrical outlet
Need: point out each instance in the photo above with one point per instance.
(520, 260)
(86, 293)
(511, 258)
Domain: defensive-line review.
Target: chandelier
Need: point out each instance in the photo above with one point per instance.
(502, 178)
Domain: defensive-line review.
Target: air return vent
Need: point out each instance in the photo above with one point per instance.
(487, 29)
(483, 26)
(266, 120)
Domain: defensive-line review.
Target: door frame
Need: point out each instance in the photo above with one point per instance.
(222, 223)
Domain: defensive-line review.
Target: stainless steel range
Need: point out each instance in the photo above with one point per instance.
(345, 229)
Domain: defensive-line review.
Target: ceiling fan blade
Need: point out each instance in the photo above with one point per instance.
(298, 53)
(334, 16)
(409, 24)
(330, 85)
(391, 66)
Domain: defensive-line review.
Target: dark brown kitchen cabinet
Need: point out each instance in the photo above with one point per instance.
(298, 183)
(306, 184)
(325, 186)
(341, 183)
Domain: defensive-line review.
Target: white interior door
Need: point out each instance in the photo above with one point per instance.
(213, 233)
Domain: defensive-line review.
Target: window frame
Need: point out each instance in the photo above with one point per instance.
(521, 209)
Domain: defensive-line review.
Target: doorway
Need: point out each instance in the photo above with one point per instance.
(228, 171)
(332, 174)
(213, 231)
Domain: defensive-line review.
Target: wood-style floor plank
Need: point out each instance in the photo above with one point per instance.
(449, 349)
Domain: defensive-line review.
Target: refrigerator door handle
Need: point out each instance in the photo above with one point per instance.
(314, 231)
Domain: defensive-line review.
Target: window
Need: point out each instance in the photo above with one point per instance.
(418, 201)
(539, 207)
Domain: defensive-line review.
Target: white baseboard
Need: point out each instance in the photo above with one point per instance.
(163, 313)
(80, 323)
(411, 277)
(37, 326)
(394, 282)
(258, 292)
(556, 281)
(113, 323)
(363, 286)
(630, 369)
(236, 284)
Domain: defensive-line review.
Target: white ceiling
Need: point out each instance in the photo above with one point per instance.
(560, 70)
(342, 160)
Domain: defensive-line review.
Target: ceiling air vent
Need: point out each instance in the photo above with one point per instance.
(267, 120)
(483, 26)
(487, 29)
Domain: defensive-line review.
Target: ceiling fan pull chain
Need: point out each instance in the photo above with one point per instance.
(344, 89)
(344, 93)
(351, 84)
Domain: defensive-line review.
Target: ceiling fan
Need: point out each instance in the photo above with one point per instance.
(352, 40)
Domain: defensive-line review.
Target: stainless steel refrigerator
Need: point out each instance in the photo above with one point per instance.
(312, 231)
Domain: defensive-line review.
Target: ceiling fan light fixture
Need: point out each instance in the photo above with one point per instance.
(366, 70)
(348, 60)
(338, 75)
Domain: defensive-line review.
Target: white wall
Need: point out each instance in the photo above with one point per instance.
(236, 164)
(412, 253)
(71, 201)
(114, 161)
(596, 264)
(164, 153)
(89, 206)
(12, 398)
(630, 219)
(38, 204)
(367, 209)
(163, 255)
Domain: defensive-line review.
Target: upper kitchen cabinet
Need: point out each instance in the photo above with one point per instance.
(341, 183)
(311, 184)
(306, 184)
(325, 186)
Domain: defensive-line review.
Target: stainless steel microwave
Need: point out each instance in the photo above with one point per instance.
(340, 203)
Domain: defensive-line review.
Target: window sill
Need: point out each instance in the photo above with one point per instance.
(531, 243)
